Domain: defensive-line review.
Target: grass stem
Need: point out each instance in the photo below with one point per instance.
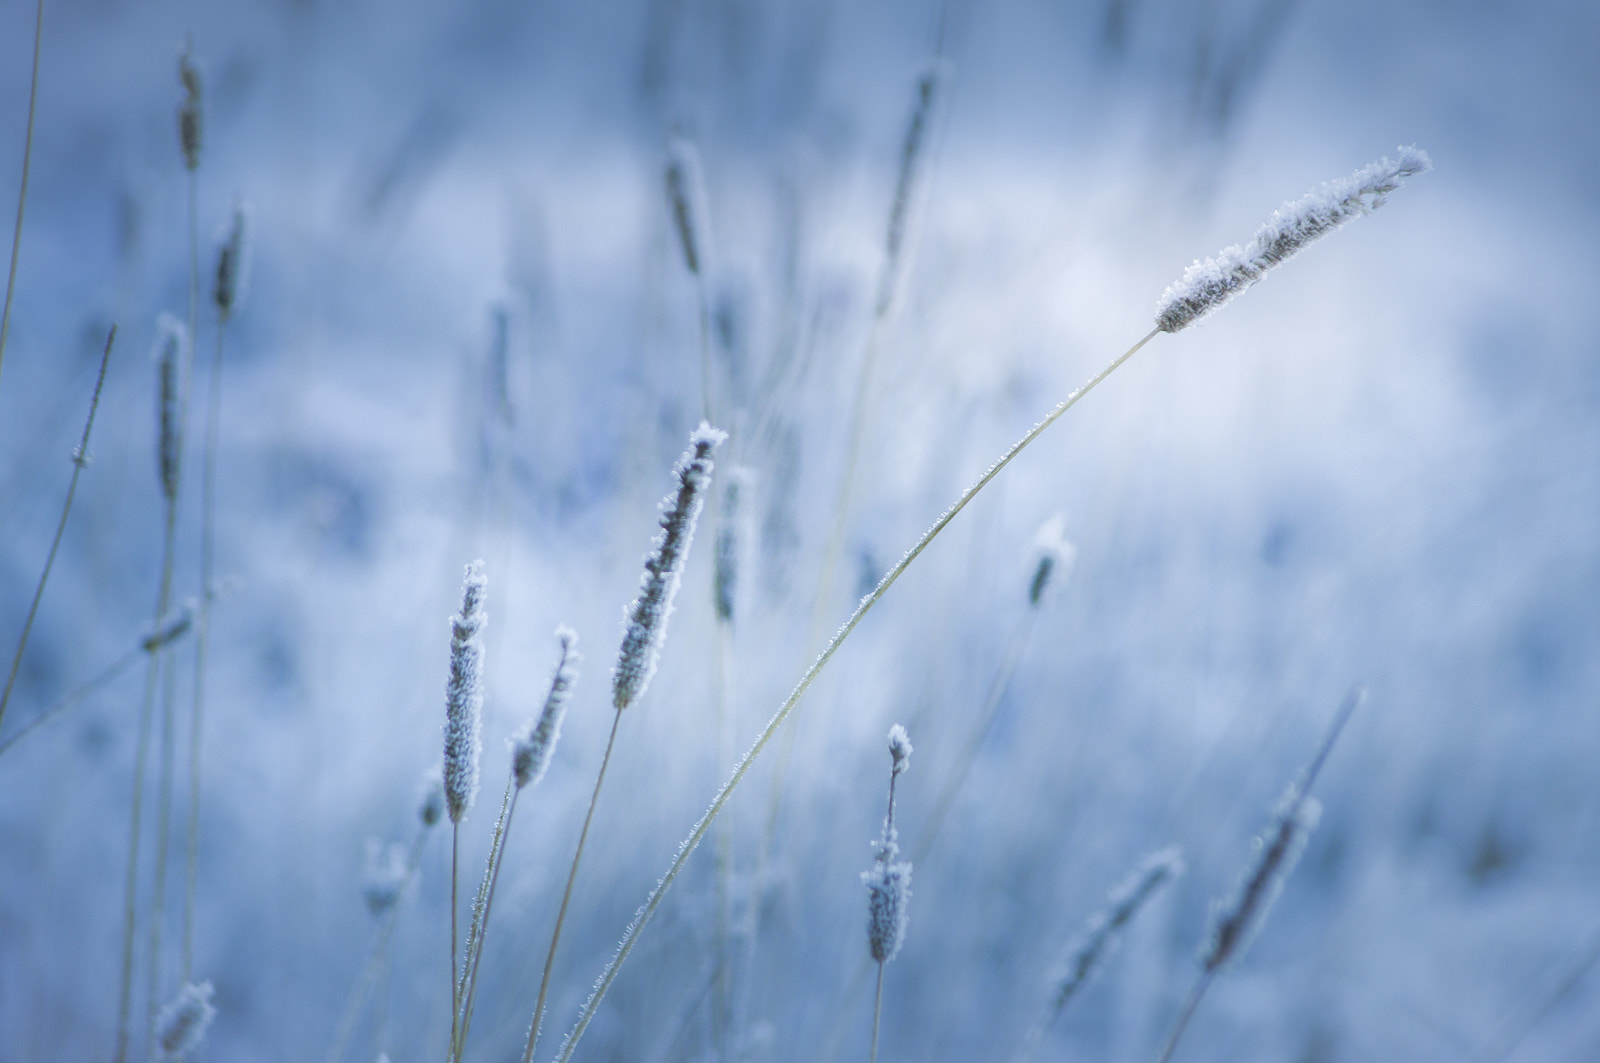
(80, 458)
(561, 915)
(22, 193)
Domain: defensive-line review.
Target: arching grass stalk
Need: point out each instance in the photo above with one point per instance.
(80, 459)
(644, 631)
(1204, 287)
(171, 358)
(631, 937)
(22, 192)
(227, 291)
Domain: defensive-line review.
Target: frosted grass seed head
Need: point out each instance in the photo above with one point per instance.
(172, 343)
(182, 1023)
(1278, 849)
(430, 800)
(889, 894)
(233, 264)
(1207, 286)
(645, 623)
(913, 150)
(1054, 558)
(899, 750)
(383, 875)
(686, 194)
(533, 746)
(190, 127)
(463, 738)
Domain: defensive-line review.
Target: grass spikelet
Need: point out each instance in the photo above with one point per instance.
(646, 624)
(1055, 556)
(888, 883)
(170, 355)
(1277, 849)
(686, 194)
(913, 150)
(183, 1022)
(430, 798)
(463, 739)
(191, 123)
(1207, 286)
(1093, 945)
(233, 264)
(531, 749)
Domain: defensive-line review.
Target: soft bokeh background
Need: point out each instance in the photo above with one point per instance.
(469, 334)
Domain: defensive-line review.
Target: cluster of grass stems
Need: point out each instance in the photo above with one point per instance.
(174, 1023)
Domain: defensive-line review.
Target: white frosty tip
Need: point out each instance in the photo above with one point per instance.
(1209, 285)
(899, 749)
(182, 1023)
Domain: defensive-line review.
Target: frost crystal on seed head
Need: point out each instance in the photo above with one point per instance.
(645, 622)
(1209, 285)
(463, 741)
(532, 747)
(183, 1022)
(899, 749)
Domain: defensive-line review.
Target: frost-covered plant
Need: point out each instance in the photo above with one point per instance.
(1093, 945)
(1236, 920)
(172, 343)
(182, 1023)
(888, 882)
(233, 264)
(383, 873)
(646, 621)
(1055, 556)
(463, 701)
(532, 747)
(863, 607)
(1209, 285)
(191, 130)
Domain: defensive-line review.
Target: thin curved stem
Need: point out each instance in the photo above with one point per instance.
(572, 876)
(631, 936)
(22, 194)
(80, 458)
